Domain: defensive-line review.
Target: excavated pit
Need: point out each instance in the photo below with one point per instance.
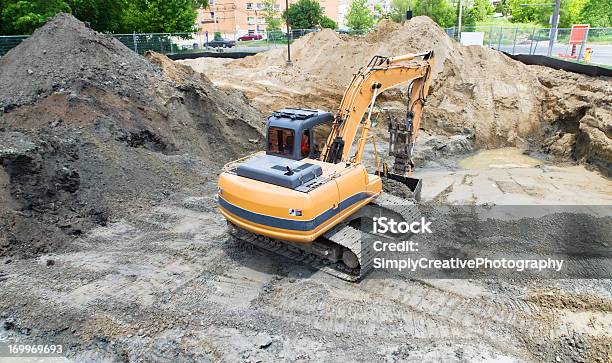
(111, 243)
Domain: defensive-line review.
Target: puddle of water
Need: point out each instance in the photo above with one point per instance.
(504, 158)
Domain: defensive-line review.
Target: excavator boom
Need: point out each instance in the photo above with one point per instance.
(380, 74)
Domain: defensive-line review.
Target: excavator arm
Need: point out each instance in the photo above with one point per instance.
(379, 75)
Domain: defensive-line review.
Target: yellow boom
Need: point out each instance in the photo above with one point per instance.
(379, 75)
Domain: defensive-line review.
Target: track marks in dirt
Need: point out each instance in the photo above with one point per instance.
(398, 310)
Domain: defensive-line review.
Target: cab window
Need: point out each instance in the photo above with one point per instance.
(319, 134)
(305, 146)
(280, 140)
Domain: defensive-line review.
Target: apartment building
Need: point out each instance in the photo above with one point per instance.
(239, 17)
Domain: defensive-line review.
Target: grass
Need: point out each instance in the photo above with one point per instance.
(506, 23)
(261, 43)
(581, 62)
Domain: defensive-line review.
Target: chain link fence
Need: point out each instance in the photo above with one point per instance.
(517, 40)
(513, 40)
(177, 43)
(9, 42)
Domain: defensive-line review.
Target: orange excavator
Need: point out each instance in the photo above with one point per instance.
(300, 196)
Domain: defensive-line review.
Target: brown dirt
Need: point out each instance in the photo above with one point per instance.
(476, 91)
(560, 300)
(90, 130)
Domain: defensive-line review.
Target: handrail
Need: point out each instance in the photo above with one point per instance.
(228, 166)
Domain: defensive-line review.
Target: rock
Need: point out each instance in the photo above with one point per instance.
(563, 146)
(263, 340)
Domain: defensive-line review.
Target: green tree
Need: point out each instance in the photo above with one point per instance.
(439, 11)
(102, 15)
(468, 16)
(271, 15)
(24, 16)
(482, 9)
(574, 11)
(162, 16)
(305, 14)
(597, 13)
(359, 17)
(502, 7)
(1, 9)
(328, 23)
(399, 8)
(523, 13)
(379, 12)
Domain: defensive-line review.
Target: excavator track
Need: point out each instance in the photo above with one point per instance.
(343, 235)
(280, 247)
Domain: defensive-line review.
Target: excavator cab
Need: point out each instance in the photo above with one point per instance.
(297, 133)
(291, 141)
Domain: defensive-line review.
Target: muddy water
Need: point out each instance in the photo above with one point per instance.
(503, 158)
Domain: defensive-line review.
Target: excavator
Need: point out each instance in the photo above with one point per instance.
(300, 197)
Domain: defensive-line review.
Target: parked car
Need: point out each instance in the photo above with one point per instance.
(276, 35)
(251, 37)
(223, 43)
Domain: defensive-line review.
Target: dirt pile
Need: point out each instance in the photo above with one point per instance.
(477, 92)
(577, 116)
(90, 129)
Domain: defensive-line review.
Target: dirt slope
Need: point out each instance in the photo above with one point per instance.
(90, 129)
(476, 91)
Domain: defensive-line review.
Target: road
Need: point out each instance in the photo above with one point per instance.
(602, 53)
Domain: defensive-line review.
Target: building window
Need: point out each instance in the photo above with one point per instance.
(261, 20)
(250, 20)
(323, 9)
(212, 14)
(277, 7)
(259, 6)
(249, 6)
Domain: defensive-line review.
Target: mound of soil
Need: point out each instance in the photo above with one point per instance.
(90, 130)
(477, 92)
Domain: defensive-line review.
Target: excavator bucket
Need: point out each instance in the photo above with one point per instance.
(413, 184)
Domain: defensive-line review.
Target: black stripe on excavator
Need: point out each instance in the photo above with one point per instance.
(335, 151)
(292, 224)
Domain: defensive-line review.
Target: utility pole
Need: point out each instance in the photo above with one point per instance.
(460, 14)
(288, 34)
(553, 26)
(214, 4)
(553, 32)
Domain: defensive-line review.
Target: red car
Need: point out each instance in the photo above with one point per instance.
(251, 37)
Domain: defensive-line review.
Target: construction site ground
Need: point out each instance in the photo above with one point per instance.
(168, 283)
(111, 243)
